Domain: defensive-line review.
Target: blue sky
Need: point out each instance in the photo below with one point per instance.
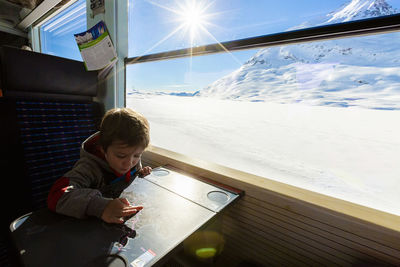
(57, 34)
(152, 21)
(225, 20)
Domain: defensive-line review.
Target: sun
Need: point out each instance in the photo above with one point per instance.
(193, 17)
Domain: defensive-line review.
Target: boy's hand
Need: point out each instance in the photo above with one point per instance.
(117, 209)
(144, 171)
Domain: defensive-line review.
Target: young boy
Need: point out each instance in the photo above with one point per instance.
(109, 162)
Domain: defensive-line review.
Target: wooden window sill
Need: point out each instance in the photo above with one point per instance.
(256, 186)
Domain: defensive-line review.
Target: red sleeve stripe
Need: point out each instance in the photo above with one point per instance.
(56, 191)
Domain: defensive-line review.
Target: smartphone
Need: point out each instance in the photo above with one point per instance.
(130, 216)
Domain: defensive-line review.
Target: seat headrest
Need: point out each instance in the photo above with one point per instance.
(29, 73)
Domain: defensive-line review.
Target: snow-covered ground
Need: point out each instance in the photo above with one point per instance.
(348, 153)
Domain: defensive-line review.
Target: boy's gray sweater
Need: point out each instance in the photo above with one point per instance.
(86, 189)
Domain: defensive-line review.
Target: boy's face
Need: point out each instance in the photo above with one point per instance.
(122, 157)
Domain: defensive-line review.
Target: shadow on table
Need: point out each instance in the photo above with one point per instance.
(50, 239)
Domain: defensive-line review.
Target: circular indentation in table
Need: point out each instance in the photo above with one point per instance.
(160, 172)
(218, 196)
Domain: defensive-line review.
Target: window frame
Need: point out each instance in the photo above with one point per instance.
(253, 183)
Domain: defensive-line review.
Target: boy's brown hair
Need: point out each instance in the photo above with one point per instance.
(125, 125)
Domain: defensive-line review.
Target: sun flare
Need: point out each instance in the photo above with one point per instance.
(193, 20)
(193, 16)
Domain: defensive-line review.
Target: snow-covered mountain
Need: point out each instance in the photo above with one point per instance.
(361, 9)
(353, 10)
(345, 72)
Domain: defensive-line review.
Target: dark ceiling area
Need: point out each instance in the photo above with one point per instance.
(9, 18)
(31, 4)
(12, 40)
(11, 14)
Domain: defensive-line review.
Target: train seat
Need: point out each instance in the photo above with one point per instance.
(46, 111)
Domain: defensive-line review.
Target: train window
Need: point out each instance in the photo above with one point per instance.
(57, 33)
(319, 115)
